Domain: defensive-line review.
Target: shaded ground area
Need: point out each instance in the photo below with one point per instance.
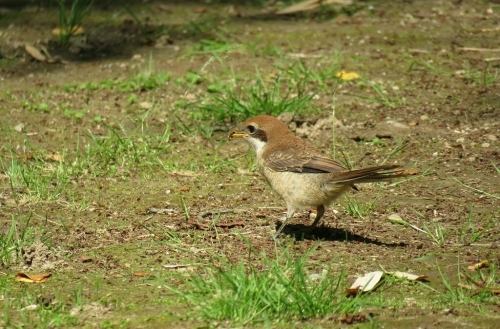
(117, 178)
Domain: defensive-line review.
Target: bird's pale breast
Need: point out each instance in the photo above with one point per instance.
(303, 190)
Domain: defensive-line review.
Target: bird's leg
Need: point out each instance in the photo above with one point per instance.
(289, 214)
(320, 211)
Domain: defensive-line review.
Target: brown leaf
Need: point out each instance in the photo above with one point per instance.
(479, 265)
(350, 319)
(199, 10)
(54, 157)
(86, 259)
(32, 278)
(181, 189)
(142, 275)
(413, 123)
(35, 53)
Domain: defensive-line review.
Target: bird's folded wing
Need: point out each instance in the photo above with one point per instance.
(306, 164)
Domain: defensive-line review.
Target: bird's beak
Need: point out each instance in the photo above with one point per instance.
(235, 133)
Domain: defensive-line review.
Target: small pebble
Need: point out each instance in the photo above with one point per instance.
(19, 127)
(424, 118)
(485, 145)
(460, 140)
(492, 138)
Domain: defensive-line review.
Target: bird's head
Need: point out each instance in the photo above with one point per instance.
(259, 131)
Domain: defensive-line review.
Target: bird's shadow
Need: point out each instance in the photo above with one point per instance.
(325, 233)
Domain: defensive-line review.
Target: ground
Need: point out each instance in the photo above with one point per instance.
(117, 178)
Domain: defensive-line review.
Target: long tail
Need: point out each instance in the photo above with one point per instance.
(368, 175)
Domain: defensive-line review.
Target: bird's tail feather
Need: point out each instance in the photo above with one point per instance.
(369, 175)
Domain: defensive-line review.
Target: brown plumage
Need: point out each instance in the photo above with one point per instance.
(299, 173)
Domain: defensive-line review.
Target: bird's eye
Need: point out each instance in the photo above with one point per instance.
(251, 129)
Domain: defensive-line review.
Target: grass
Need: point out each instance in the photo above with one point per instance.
(462, 294)
(45, 175)
(13, 241)
(70, 21)
(356, 209)
(270, 290)
(91, 159)
(382, 96)
(238, 103)
(470, 231)
(145, 80)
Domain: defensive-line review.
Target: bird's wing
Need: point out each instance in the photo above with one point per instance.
(288, 161)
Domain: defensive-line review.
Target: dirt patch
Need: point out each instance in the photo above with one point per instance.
(37, 256)
(87, 162)
(92, 311)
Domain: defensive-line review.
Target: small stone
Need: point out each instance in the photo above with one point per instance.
(492, 138)
(435, 154)
(395, 217)
(485, 145)
(19, 128)
(146, 105)
(424, 117)
(460, 140)
(286, 117)
(397, 124)
(137, 57)
(315, 276)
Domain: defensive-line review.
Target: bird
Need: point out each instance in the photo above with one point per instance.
(300, 174)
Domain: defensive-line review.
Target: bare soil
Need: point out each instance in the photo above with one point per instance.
(100, 228)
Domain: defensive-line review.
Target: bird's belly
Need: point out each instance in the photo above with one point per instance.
(303, 190)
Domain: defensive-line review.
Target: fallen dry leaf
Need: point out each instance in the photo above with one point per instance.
(479, 265)
(77, 30)
(54, 157)
(412, 123)
(86, 259)
(199, 10)
(409, 276)
(350, 319)
(365, 283)
(346, 76)
(181, 189)
(32, 278)
(35, 53)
